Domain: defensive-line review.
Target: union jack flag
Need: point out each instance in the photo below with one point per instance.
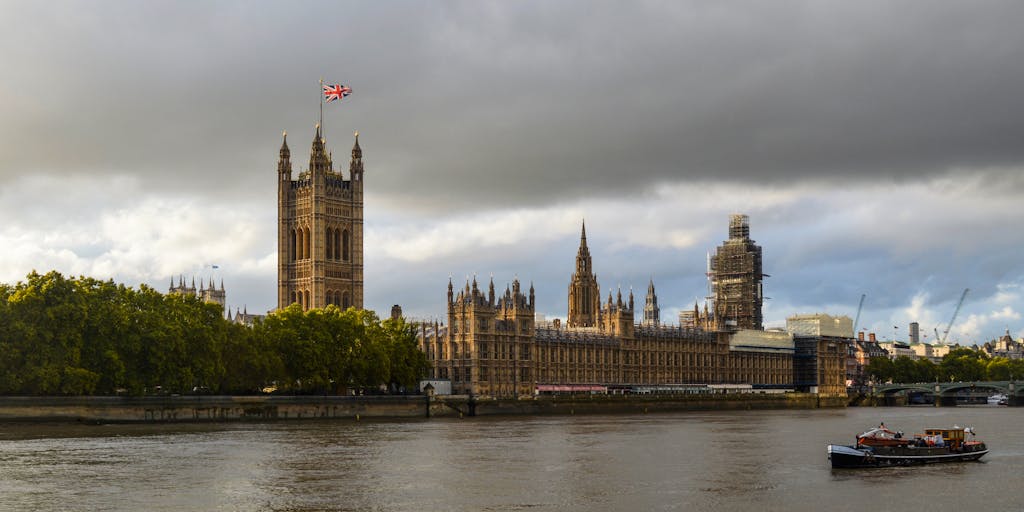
(335, 92)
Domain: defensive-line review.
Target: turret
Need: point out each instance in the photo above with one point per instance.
(490, 292)
(284, 163)
(355, 166)
(318, 162)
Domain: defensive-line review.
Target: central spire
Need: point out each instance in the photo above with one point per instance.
(318, 159)
(584, 292)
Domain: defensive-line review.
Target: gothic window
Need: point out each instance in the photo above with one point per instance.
(337, 244)
(305, 243)
(305, 299)
(344, 245)
(291, 246)
(344, 300)
(330, 243)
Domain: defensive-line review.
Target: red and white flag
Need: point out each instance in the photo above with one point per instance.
(335, 92)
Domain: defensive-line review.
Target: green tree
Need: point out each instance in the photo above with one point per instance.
(881, 369)
(963, 365)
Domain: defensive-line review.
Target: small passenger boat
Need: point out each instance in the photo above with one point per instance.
(880, 446)
(997, 399)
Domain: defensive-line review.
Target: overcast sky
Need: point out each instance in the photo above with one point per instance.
(878, 147)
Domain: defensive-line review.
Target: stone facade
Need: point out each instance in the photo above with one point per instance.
(206, 293)
(652, 313)
(494, 346)
(320, 230)
(584, 292)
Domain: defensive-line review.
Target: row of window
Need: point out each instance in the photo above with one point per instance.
(337, 244)
(337, 298)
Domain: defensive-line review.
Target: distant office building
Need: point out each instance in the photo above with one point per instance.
(820, 324)
(915, 333)
(821, 346)
(688, 318)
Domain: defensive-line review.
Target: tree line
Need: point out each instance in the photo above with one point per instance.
(959, 365)
(84, 336)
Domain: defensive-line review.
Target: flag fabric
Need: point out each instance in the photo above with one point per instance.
(335, 92)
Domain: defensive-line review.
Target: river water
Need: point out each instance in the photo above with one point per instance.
(735, 460)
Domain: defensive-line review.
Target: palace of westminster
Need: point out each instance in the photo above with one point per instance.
(493, 343)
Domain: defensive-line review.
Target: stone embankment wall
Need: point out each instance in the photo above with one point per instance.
(206, 408)
(197, 409)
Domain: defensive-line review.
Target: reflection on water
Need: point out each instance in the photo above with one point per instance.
(737, 460)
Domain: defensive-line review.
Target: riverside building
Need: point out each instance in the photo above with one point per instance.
(493, 345)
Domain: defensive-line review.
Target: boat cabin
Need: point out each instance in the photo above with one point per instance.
(954, 437)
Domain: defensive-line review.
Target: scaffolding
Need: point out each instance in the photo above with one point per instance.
(735, 273)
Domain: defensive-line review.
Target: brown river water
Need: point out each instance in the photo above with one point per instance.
(735, 460)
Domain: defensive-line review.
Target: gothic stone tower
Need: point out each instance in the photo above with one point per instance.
(320, 230)
(584, 292)
(652, 313)
(736, 278)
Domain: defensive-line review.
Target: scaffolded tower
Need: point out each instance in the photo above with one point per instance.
(736, 277)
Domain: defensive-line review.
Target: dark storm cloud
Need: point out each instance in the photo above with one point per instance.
(510, 102)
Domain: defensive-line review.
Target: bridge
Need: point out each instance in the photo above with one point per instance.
(945, 394)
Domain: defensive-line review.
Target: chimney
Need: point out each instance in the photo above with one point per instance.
(860, 336)
(871, 336)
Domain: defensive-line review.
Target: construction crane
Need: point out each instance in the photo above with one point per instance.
(945, 334)
(859, 307)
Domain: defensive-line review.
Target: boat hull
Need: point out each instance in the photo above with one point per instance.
(865, 457)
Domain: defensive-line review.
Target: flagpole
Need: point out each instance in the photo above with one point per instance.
(321, 107)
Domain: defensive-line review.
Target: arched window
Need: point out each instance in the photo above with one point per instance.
(330, 243)
(305, 245)
(291, 245)
(305, 299)
(337, 244)
(344, 300)
(344, 245)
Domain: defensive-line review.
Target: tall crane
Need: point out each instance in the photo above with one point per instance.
(945, 334)
(859, 307)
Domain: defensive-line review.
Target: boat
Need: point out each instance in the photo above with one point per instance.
(997, 399)
(879, 447)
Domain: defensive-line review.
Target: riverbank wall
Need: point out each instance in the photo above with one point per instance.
(199, 409)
